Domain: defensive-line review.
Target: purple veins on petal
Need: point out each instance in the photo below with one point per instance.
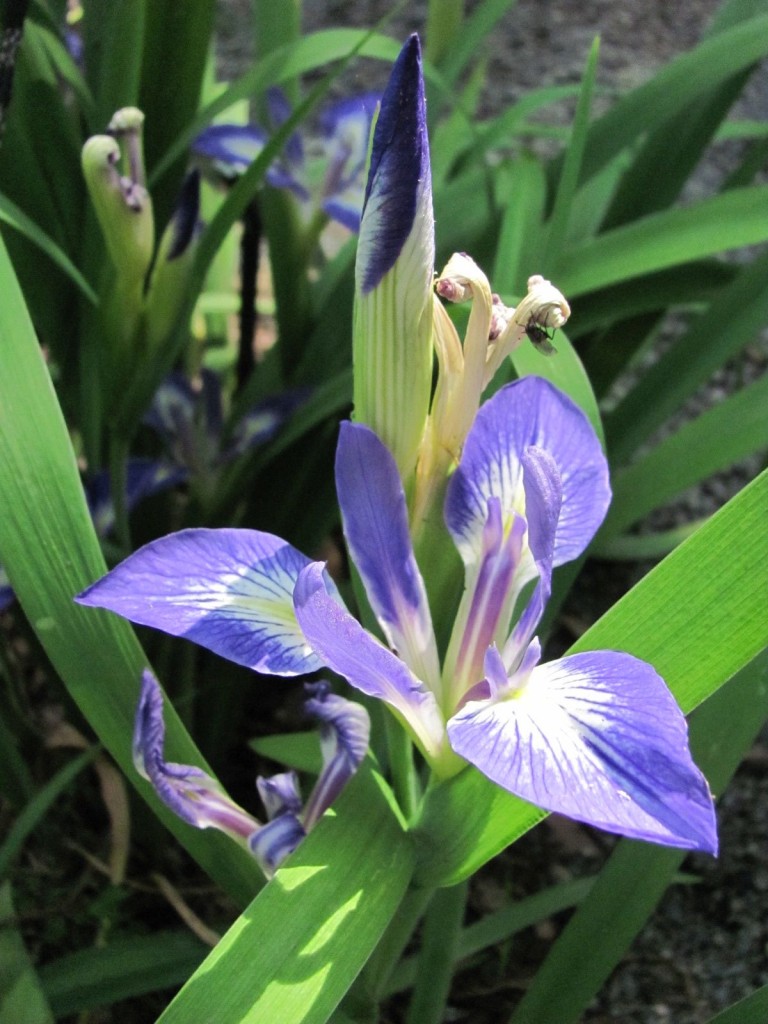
(344, 733)
(368, 665)
(275, 841)
(229, 590)
(528, 413)
(188, 791)
(375, 521)
(597, 737)
(399, 177)
(279, 794)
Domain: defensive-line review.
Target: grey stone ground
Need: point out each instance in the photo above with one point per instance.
(707, 945)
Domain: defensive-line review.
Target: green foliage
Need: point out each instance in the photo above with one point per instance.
(603, 218)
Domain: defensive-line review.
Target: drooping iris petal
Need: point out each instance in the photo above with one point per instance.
(597, 737)
(275, 841)
(229, 590)
(375, 521)
(279, 794)
(344, 734)
(189, 792)
(350, 650)
(528, 412)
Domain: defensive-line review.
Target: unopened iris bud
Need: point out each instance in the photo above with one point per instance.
(173, 266)
(115, 180)
(393, 277)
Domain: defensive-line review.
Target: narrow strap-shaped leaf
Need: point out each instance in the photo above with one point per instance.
(295, 951)
(17, 219)
(698, 618)
(21, 997)
(733, 320)
(520, 225)
(719, 437)
(751, 1010)
(307, 54)
(49, 548)
(37, 807)
(727, 221)
(635, 877)
(557, 226)
(124, 967)
(674, 87)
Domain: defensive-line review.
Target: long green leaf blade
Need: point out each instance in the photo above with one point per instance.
(719, 437)
(294, 953)
(728, 221)
(49, 548)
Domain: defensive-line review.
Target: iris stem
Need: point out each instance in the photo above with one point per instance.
(377, 972)
(439, 949)
(404, 780)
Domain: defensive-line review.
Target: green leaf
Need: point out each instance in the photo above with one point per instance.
(38, 806)
(124, 968)
(733, 320)
(501, 925)
(691, 284)
(474, 33)
(719, 437)
(299, 750)
(557, 226)
(677, 85)
(751, 1010)
(519, 238)
(309, 53)
(294, 953)
(637, 874)
(728, 221)
(49, 548)
(21, 998)
(12, 215)
(697, 618)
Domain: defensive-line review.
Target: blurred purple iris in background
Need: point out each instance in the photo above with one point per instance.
(325, 171)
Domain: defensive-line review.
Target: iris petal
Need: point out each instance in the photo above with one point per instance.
(228, 590)
(344, 734)
(350, 650)
(598, 737)
(529, 412)
(376, 529)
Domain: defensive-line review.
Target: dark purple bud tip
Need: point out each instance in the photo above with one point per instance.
(399, 175)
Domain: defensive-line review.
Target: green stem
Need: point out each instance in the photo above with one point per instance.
(439, 949)
(404, 780)
(377, 972)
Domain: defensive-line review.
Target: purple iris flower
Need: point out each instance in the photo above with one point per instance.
(595, 736)
(324, 171)
(200, 801)
(189, 417)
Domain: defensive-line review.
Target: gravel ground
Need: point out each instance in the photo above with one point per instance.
(707, 944)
